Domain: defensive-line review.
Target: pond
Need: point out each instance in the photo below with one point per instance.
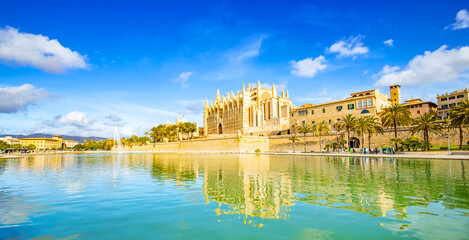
(232, 196)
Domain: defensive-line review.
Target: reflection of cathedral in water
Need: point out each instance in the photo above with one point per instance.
(250, 189)
(266, 187)
(257, 187)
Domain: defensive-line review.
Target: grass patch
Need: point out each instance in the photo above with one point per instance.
(452, 147)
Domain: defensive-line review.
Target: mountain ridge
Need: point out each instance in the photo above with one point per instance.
(44, 135)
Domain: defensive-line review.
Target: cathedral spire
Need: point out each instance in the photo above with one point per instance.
(232, 95)
(283, 93)
(218, 97)
(274, 91)
(243, 88)
(287, 94)
(206, 104)
(258, 84)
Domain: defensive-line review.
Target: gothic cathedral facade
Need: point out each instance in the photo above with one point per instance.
(254, 110)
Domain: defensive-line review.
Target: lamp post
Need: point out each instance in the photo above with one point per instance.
(449, 151)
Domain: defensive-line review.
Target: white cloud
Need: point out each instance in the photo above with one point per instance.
(349, 47)
(389, 42)
(38, 51)
(183, 78)
(442, 65)
(249, 50)
(75, 118)
(308, 67)
(113, 117)
(462, 20)
(192, 107)
(14, 99)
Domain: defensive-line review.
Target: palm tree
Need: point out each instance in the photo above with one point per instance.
(321, 128)
(338, 127)
(396, 115)
(348, 122)
(361, 126)
(294, 139)
(426, 123)
(374, 127)
(305, 128)
(458, 118)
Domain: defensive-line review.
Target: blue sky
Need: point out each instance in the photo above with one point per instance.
(81, 67)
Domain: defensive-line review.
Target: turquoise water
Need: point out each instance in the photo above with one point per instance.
(231, 196)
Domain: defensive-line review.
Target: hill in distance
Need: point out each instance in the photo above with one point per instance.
(43, 135)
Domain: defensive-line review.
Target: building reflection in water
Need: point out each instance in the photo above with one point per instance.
(260, 187)
(267, 187)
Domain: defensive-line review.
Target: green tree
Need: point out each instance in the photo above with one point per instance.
(338, 126)
(4, 145)
(349, 122)
(294, 139)
(395, 116)
(304, 128)
(426, 123)
(361, 127)
(320, 129)
(374, 127)
(31, 147)
(459, 117)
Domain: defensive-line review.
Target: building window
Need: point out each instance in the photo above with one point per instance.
(359, 105)
(418, 112)
(444, 106)
(330, 121)
(444, 99)
(323, 110)
(292, 114)
(460, 96)
(338, 108)
(452, 97)
(303, 122)
(312, 112)
(364, 103)
(452, 105)
(351, 106)
(370, 102)
(312, 122)
(306, 112)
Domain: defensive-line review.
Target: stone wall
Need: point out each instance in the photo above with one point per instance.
(282, 143)
(226, 143)
(235, 143)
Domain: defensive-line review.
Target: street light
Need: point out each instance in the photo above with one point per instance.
(449, 152)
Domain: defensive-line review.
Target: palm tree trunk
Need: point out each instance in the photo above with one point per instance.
(348, 138)
(369, 140)
(320, 143)
(293, 147)
(425, 139)
(395, 131)
(304, 139)
(363, 140)
(460, 137)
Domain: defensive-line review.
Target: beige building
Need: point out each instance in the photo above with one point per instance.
(358, 104)
(43, 143)
(56, 142)
(10, 140)
(418, 107)
(447, 101)
(70, 143)
(254, 110)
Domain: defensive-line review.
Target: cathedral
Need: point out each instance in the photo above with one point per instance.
(254, 110)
